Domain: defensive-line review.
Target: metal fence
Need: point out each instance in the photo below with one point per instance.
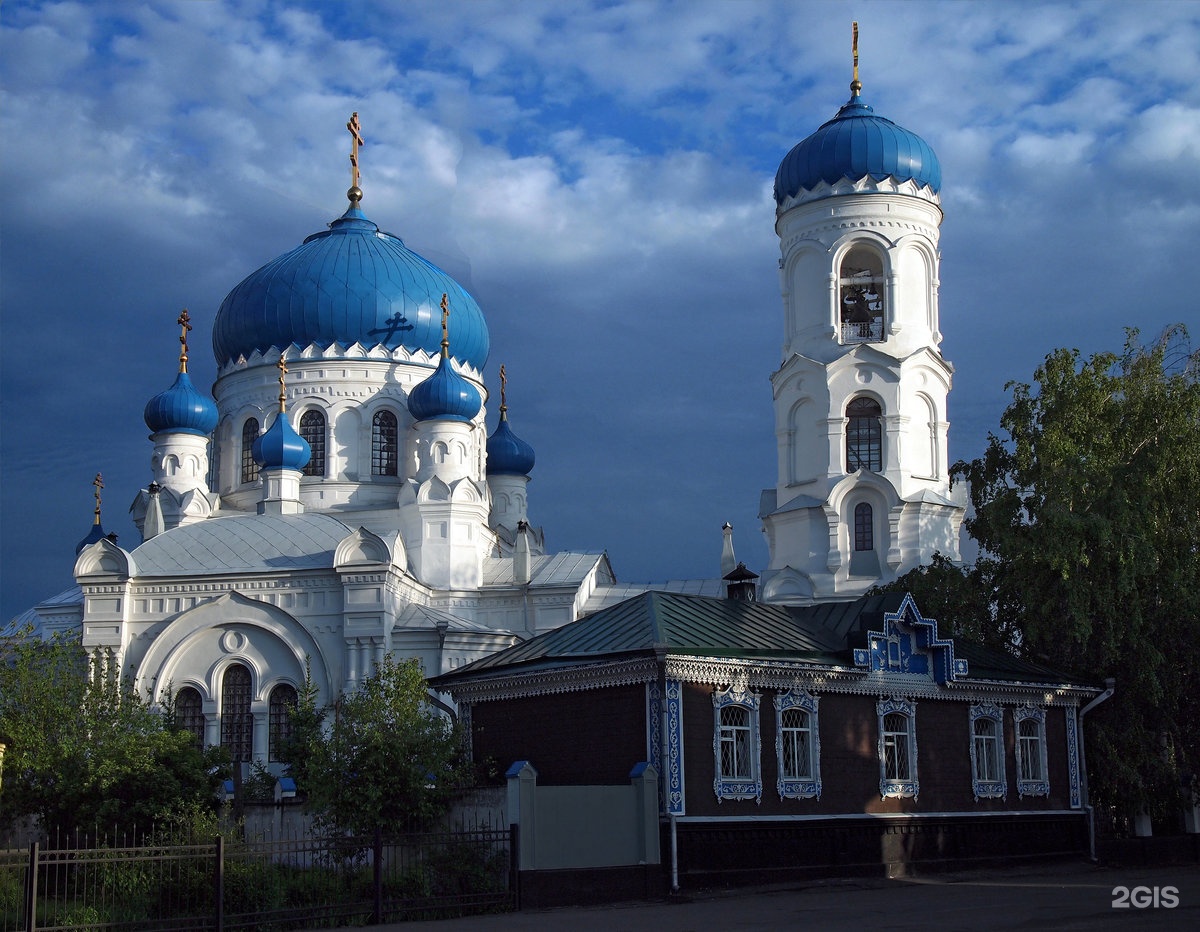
(228, 883)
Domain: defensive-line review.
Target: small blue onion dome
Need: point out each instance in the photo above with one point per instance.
(280, 447)
(856, 143)
(95, 534)
(182, 408)
(349, 284)
(508, 454)
(445, 396)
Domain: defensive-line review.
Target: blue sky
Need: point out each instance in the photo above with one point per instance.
(598, 175)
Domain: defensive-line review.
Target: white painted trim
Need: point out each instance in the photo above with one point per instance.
(841, 817)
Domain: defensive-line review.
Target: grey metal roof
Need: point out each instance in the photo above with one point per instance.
(568, 568)
(607, 596)
(243, 544)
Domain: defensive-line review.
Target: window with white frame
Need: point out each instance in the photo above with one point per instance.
(797, 745)
(1032, 778)
(897, 747)
(988, 776)
(736, 746)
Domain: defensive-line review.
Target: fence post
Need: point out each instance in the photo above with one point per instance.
(31, 889)
(514, 863)
(377, 913)
(219, 883)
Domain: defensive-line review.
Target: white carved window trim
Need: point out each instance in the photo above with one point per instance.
(734, 786)
(988, 785)
(901, 784)
(1033, 777)
(796, 786)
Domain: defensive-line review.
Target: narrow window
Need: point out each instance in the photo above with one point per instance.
(864, 435)
(385, 449)
(860, 293)
(283, 703)
(189, 715)
(897, 748)
(237, 721)
(1031, 752)
(312, 429)
(797, 745)
(864, 527)
(987, 755)
(249, 435)
(736, 746)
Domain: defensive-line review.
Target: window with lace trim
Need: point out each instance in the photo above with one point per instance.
(237, 721)
(312, 429)
(1030, 724)
(385, 444)
(897, 748)
(189, 715)
(283, 703)
(249, 435)
(736, 746)
(864, 435)
(797, 745)
(988, 777)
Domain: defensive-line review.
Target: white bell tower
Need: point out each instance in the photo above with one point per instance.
(863, 491)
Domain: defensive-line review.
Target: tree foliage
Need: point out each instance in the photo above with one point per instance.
(380, 757)
(1088, 519)
(84, 750)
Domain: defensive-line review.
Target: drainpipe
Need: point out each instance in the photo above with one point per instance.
(1110, 687)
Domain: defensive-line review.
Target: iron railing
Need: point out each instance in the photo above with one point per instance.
(232, 883)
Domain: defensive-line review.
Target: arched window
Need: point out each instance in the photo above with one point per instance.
(864, 527)
(237, 721)
(897, 748)
(860, 296)
(189, 714)
(283, 703)
(312, 429)
(797, 745)
(385, 446)
(249, 435)
(987, 751)
(864, 435)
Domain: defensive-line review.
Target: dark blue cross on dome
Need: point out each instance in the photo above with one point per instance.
(396, 323)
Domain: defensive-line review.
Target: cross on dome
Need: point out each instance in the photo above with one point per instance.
(356, 140)
(98, 482)
(185, 322)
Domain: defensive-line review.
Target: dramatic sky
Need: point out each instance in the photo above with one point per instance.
(598, 175)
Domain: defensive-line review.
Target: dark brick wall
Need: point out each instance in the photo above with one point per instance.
(572, 739)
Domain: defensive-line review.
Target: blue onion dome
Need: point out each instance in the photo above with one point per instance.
(281, 447)
(182, 408)
(349, 284)
(508, 454)
(95, 534)
(854, 144)
(445, 396)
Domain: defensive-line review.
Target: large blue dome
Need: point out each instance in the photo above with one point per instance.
(348, 284)
(181, 408)
(854, 144)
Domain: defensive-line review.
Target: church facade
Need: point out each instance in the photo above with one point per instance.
(338, 496)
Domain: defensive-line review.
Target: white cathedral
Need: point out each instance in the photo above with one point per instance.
(338, 498)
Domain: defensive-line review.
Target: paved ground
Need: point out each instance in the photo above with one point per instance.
(1055, 897)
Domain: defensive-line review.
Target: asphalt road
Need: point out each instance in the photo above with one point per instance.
(1058, 897)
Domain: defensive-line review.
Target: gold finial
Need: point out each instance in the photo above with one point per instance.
(184, 321)
(855, 85)
(445, 324)
(503, 399)
(282, 364)
(98, 482)
(356, 140)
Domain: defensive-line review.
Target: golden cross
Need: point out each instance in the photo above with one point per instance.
(185, 322)
(503, 385)
(282, 364)
(98, 482)
(855, 85)
(445, 324)
(356, 140)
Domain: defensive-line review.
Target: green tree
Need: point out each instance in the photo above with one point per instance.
(1088, 519)
(86, 750)
(380, 758)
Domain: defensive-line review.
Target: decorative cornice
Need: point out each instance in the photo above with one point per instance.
(559, 680)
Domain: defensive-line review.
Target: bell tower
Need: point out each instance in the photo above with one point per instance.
(863, 491)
